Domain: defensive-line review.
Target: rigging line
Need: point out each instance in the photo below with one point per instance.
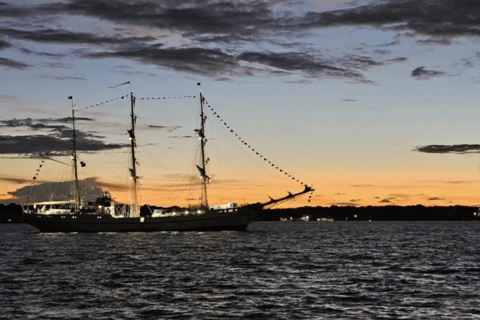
(103, 103)
(253, 150)
(211, 123)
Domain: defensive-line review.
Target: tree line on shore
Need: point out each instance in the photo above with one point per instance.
(13, 213)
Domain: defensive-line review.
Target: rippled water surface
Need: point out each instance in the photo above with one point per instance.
(276, 270)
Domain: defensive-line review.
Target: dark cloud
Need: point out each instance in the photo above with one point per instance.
(4, 45)
(63, 78)
(435, 199)
(59, 139)
(438, 18)
(435, 41)
(459, 148)
(344, 204)
(40, 53)
(385, 201)
(68, 37)
(43, 191)
(239, 19)
(294, 62)
(36, 124)
(168, 128)
(237, 23)
(39, 144)
(247, 20)
(201, 21)
(4, 62)
(14, 180)
(217, 63)
(421, 73)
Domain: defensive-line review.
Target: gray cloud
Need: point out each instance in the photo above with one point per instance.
(63, 78)
(68, 37)
(459, 148)
(236, 23)
(4, 45)
(217, 63)
(421, 73)
(167, 128)
(4, 62)
(43, 191)
(39, 144)
(438, 18)
(435, 199)
(224, 21)
(59, 139)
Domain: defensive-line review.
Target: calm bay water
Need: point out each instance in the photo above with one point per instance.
(276, 270)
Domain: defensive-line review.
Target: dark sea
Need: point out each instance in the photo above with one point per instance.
(275, 270)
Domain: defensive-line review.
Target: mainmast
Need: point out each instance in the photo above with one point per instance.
(203, 141)
(74, 158)
(133, 169)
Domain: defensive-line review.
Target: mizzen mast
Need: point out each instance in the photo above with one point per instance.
(203, 141)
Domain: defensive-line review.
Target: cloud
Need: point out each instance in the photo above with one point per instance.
(346, 204)
(168, 128)
(435, 41)
(437, 18)
(67, 37)
(4, 45)
(62, 78)
(385, 201)
(14, 180)
(218, 63)
(8, 63)
(435, 199)
(459, 148)
(233, 26)
(421, 73)
(58, 139)
(40, 53)
(61, 191)
(39, 144)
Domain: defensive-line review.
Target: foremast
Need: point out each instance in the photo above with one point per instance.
(76, 187)
(133, 170)
(203, 164)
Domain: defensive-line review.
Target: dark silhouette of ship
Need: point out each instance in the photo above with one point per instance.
(102, 215)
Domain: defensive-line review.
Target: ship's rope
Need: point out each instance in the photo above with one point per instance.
(138, 98)
(249, 147)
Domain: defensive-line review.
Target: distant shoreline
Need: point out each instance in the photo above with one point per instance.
(12, 213)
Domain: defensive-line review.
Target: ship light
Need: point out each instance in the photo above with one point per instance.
(186, 212)
(199, 211)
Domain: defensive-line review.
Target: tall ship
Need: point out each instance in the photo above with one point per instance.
(103, 215)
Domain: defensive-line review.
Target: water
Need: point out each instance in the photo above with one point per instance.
(276, 270)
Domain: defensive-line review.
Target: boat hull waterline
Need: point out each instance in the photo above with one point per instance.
(212, 220)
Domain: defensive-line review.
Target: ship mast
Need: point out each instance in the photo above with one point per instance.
(133, 169)
(74, 158)
(203, 165)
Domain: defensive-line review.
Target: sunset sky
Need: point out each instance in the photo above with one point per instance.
(370, 102)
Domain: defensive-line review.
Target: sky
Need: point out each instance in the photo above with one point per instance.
(369, 102)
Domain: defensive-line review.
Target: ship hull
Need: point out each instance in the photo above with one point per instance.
(212, 220)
